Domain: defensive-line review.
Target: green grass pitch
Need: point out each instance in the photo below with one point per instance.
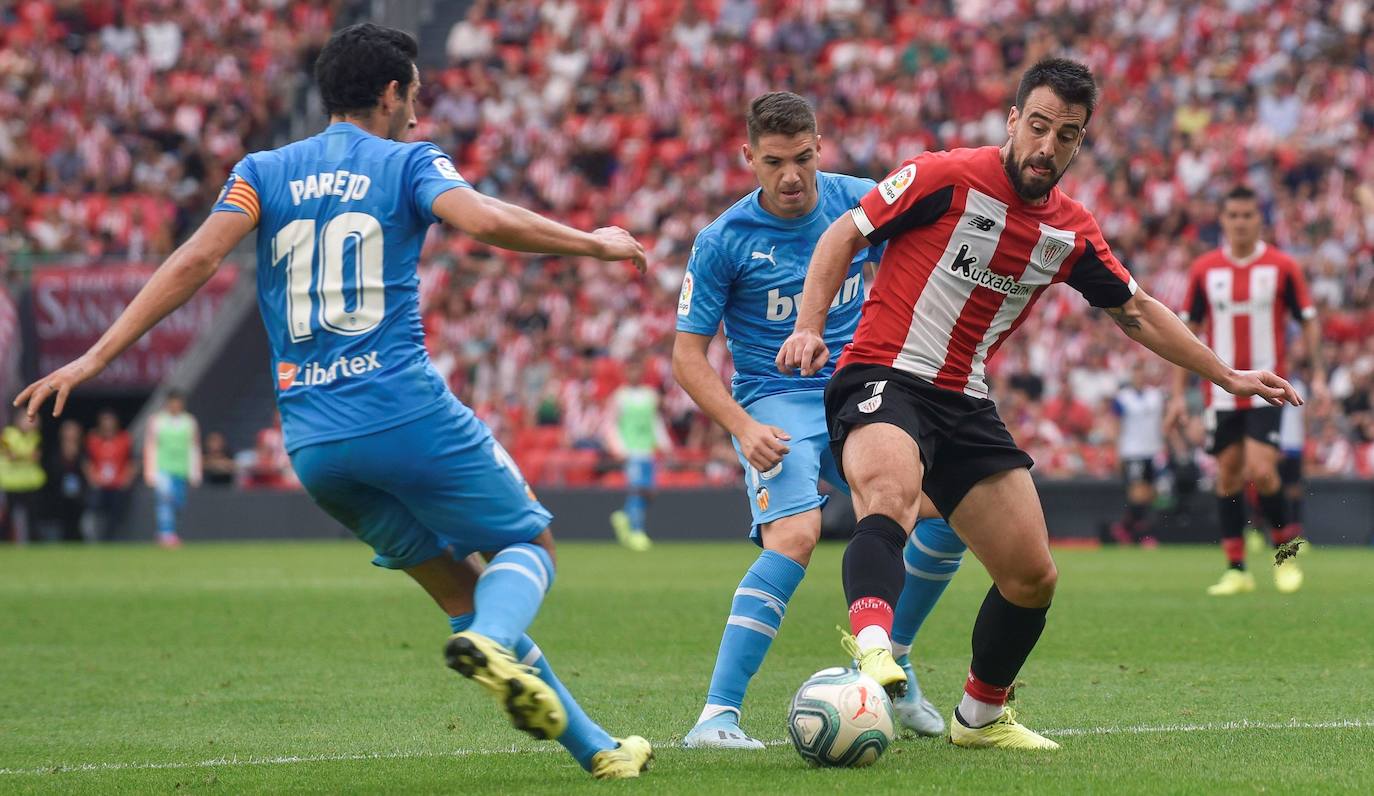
(299, 667)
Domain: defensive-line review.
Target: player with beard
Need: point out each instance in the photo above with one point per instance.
(974, 237)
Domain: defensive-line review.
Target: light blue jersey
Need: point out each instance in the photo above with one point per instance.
(343, 215)
(374, 434)
(748, 267)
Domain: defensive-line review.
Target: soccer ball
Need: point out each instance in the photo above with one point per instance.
(840, 717)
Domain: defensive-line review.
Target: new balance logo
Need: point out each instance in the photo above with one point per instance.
(313, 374)
(982, 222)
(762, 256)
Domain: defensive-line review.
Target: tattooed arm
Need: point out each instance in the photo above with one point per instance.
(1154, 326)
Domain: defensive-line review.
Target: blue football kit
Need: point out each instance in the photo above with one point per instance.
(747, 270)
(374, 434)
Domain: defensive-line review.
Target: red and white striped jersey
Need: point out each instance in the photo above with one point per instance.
(1242, 303)
(967, 258)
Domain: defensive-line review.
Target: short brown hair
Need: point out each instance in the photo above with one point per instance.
(780, 113)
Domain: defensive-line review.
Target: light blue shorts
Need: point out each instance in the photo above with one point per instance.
(640, 472)
(790, 488)
(439, 484)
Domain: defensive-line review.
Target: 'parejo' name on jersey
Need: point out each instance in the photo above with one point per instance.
(780, 307)
(344, 184)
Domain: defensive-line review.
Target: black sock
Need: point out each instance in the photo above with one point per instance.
(1232, 511)
(873, 560)
(1275, 510)
(1003, 637)
(1295, 510)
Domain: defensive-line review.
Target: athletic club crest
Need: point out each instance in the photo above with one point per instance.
(1052, 254)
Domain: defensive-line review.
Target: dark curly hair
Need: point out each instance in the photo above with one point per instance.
(359, 61)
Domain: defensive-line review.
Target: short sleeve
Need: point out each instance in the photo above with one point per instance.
(705, 288)
(431, 174)
(915, 195)
(240, 192)
(1195, 302)
(1098, 275)
(1295, 291)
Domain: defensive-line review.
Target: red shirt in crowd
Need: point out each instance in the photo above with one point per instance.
(110, 459)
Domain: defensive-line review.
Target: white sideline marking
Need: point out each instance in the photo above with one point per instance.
(1228, 726)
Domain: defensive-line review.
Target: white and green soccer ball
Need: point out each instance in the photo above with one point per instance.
(840, 717)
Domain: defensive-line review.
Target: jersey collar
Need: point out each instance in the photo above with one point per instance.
(1260, 246)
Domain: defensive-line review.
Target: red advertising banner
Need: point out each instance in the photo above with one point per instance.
(72, 307)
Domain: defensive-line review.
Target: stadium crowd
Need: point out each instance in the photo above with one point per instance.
(631, 113)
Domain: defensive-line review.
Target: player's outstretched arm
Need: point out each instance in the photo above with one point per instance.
(806, 349)
(763, 446)
(172, 285)
(508, 226)
(1154, 326)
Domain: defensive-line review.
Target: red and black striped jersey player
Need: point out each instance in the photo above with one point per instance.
(974, 237)
(1243, 294)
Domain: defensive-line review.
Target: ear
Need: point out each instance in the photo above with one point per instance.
(818, 146)
(1012, 116)
(391, 97)
(748, 153)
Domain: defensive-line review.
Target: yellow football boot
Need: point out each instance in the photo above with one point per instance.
(1233, 581)
(877, 663)
(628, 536)
(533, 706)
(630, 757)
(1288, 576)
(1004, 733)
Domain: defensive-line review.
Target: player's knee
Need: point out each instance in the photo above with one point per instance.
(887, 495)
(1265, 479)
(1033, 587)
(794, 537)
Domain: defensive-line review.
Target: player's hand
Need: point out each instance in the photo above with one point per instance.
(614, 243)
(58, 384)
(1175, 412)
(805, 351)
(1269, 386)
(763, 446)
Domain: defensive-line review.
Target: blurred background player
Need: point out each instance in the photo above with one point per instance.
(747, 269)
(635, 432)
(1240, 294)
(376, 437)
(974, 238)
(171, 463)
(109, 472)
(1139, 407)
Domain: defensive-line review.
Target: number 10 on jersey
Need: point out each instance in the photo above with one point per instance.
(295, 244)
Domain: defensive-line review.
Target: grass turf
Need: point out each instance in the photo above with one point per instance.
(133, 669)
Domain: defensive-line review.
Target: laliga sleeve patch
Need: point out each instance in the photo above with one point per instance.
(684, 299)
(446, 170)
(896, 185)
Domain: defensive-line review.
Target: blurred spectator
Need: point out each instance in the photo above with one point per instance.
(66, 487)
(218, 465)
(269, 467)
(109, 473)
(631, 113)
(21, 475)
(171, 463)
